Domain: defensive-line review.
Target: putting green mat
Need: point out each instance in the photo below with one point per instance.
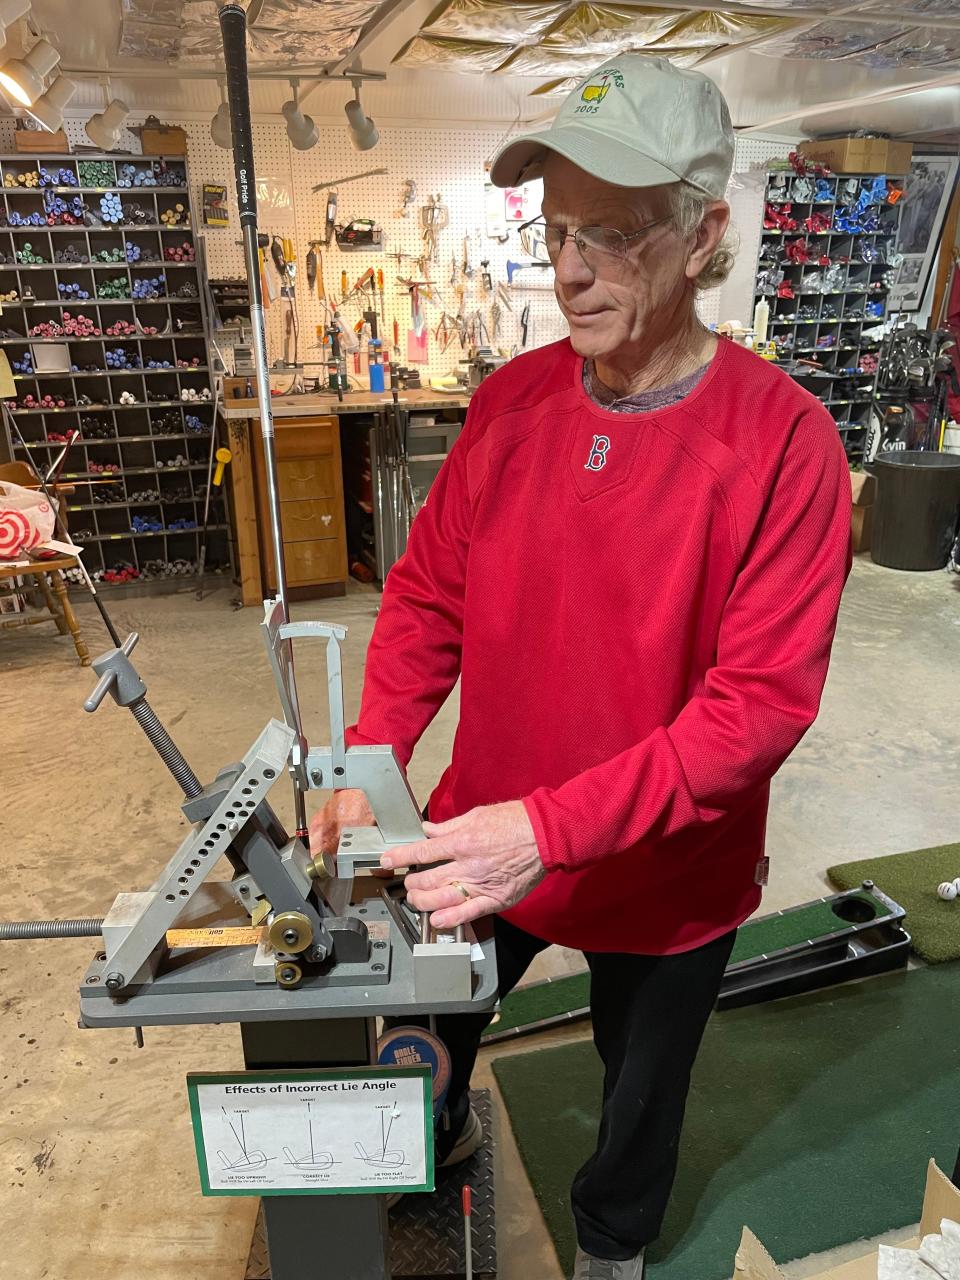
(542, 1000)
(911, 879)
(810, 1120)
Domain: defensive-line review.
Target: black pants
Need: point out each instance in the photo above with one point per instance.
(648, 1013)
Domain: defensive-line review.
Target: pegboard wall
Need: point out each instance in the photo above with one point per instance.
(442, 162)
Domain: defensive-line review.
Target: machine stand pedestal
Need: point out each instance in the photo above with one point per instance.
(426, 1231)
(318, 1237)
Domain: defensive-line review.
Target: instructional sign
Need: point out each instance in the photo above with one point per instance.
(367, 1130)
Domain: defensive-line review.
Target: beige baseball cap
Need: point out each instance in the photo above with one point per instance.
(637, 121)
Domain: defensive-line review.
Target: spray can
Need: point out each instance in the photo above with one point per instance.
(375, 364)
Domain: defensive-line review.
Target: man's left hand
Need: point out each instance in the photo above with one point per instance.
(489, 854)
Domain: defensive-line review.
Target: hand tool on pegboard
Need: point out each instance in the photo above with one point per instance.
(514, 267)
(383, 301)
(330, 219)
(408, 197)
(434, 218)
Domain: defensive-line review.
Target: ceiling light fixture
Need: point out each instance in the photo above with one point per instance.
(48, 110)
(22, 78)
(364, 134)
(301, 130)
(103, 129)
(221, 127)
(10, 12)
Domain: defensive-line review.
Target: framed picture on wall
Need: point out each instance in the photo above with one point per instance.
(928, 190)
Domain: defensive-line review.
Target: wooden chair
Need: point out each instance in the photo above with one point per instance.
(47, 574)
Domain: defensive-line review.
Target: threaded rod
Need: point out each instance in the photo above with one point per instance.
(166, 748)
(16, 929)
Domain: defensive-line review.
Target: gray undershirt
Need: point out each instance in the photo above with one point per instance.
(639, 401)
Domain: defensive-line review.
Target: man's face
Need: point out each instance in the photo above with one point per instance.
(621, 304)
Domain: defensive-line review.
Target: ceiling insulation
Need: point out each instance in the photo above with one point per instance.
(949, 7)
(541, 62)
(601, 31)
(499, 21)
(874, 46)
(460, 55)
(286, 31)
(567, 41)
(581, 37)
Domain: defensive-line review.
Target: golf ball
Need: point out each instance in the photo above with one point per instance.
(947, 891)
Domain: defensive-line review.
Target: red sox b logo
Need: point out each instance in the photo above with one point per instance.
(598, 454)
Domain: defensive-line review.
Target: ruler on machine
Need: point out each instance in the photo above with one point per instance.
(240, 936)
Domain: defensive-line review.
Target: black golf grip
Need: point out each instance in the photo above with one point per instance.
(233, 27)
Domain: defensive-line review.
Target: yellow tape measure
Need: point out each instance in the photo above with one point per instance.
(241, 936)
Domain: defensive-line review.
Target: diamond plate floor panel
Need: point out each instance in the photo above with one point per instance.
(426, 1231)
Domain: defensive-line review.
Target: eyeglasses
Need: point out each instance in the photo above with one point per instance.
(598, 246)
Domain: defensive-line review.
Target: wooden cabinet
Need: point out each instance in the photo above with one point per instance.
(311, 506)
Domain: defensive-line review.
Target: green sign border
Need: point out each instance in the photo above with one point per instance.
(196, 1078)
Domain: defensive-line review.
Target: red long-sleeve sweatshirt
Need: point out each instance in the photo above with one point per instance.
(640, 608)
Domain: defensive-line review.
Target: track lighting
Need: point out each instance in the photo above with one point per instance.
(301, 130)
(103, 129)
(364, 134)
(22, 78)
(10, 12)
(48, 110)
(221, 128)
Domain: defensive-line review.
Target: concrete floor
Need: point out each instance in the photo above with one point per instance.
(98, 1173)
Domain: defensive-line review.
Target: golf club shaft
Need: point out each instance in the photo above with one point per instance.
(233, 27)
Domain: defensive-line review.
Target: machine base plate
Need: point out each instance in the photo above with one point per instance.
(426, 1231)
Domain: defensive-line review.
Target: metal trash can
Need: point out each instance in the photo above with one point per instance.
(918, 503)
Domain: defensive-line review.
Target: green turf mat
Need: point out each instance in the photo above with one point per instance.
(772, 933)
(810, 1120)
(911, 879)
(542, 1000)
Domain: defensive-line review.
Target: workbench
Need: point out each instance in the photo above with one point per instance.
(311, 482)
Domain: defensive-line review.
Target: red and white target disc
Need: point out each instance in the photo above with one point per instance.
(15, 533)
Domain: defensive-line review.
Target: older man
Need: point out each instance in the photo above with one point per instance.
(633, 560)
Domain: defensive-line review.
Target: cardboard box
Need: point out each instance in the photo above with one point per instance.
(941, 1200)
(861, 525)
(860, 155)
(39, 140)
(157, 139)
(863, 486)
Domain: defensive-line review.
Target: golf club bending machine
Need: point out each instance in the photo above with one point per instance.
(307, 990)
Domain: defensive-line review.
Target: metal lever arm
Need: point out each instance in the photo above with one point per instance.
(109, 681)
(120, 679)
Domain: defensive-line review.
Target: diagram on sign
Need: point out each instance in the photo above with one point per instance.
(313, 1160)
(383, 1156)
(359, 1130)
(246, 1160)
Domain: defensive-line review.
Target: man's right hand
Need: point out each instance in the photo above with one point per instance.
(347, 808)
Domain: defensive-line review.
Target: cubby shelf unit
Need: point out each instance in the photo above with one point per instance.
(161, 458)
(833, 332)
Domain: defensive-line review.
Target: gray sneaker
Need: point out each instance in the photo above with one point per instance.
(588, 1267)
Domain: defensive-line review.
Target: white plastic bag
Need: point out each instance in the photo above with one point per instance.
(26, 519)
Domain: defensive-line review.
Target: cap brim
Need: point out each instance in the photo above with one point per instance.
(522, 159)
